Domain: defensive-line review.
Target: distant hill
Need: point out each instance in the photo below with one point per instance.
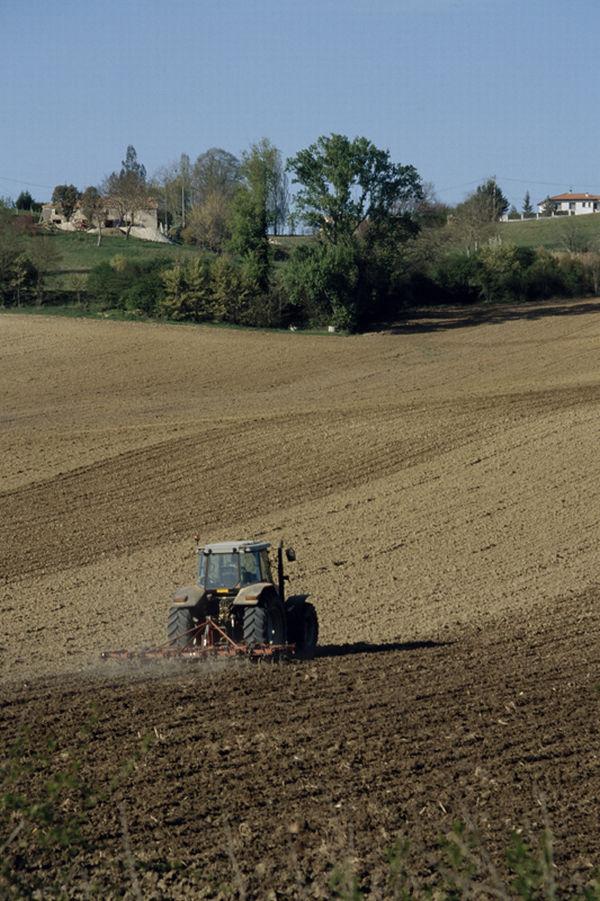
(557, 233)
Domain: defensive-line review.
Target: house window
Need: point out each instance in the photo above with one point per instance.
(571, 204)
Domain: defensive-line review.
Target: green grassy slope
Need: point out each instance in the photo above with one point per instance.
(557, 233)
(76, 252)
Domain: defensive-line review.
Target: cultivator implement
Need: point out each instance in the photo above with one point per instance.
(205, 640)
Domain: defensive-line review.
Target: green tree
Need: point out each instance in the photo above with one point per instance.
(131, 166)
(474, 221)
(174, 286)
(549, 207)
(497, 273)
(45, 256)
(24, 278)
(229, 299)
(527, 206)
(188, 291)
(345, 183)
(24, 201)
(67, 197)
(198, 290)
(277, 199)
(11, 245)
(486, 204)
(250, 220)
(18, 278)
(79, 285)
(322, 284)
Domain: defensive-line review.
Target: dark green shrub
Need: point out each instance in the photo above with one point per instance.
(107, 286)
(543, 278)
(18, 279)
(323, 285)
(454, 275)
(498, 273)
(125, 284)
(573, 276)
(145, 293)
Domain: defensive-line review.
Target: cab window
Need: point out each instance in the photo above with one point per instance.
(249, 568)
(219, 570)
(265, 566)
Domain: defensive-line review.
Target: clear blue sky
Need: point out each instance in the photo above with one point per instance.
(462, 89)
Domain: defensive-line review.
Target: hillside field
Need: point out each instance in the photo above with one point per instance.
(78, 251)
(441, 489)
(558, 233)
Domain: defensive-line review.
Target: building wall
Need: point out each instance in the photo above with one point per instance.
(579, 207)
(147, 218)
(575, 207)
(144, 218)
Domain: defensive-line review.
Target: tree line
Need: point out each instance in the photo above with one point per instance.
(379, 240)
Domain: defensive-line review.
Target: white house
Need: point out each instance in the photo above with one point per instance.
(574, 204)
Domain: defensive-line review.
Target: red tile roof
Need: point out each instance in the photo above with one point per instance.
(575, 197)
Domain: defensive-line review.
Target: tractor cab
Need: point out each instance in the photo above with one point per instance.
(228, 567)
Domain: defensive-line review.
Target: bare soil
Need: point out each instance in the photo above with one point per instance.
(441, 490)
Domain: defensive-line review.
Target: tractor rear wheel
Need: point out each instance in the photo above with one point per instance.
(307, 632)
(264, 625)
(179, 626)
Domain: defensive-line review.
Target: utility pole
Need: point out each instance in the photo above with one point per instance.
(184, 166)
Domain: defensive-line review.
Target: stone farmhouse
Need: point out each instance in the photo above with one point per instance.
(146, 218)
(574, 204)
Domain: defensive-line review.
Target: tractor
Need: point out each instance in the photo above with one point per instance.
(237, 604)
(236, 608)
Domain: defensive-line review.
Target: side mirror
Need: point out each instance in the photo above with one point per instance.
(290, 553)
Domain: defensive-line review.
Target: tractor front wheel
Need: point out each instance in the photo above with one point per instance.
(179, 627)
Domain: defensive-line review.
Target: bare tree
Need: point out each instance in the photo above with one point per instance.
(93, 207)
(127, 190)
(209, 223)
(172, 185)
(215, 171)
(572, 237)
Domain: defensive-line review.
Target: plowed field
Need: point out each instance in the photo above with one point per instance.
(441, 488)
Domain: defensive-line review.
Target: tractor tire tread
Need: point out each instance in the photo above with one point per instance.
(255, 625)
(307, 632)
(179, 622)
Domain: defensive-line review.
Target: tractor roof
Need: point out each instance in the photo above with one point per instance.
(231, 547)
